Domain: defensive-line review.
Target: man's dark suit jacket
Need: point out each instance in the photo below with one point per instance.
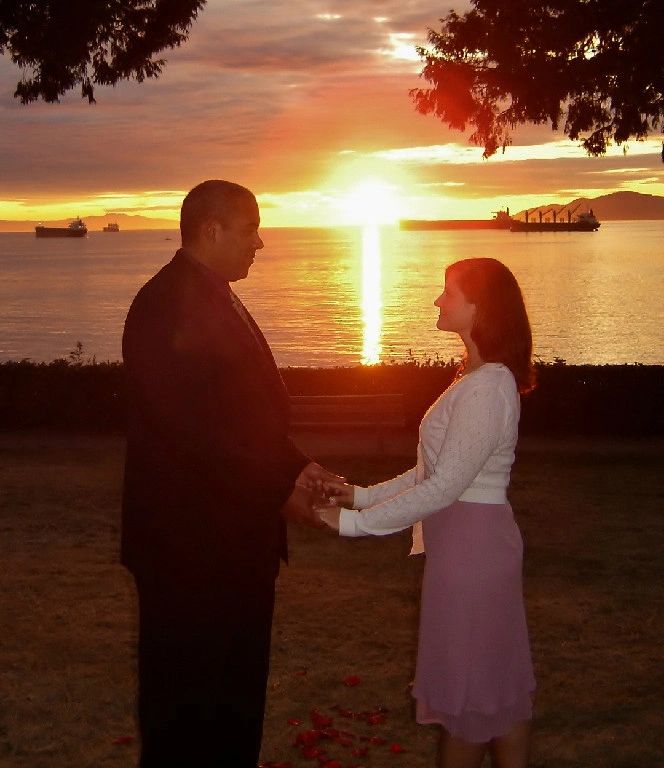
(209, 462)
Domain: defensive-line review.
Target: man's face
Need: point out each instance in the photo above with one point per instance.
(234, 245)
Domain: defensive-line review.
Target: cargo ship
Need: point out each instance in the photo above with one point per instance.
(500, 220)
(112, 227)
(76, 229)
(584, 222)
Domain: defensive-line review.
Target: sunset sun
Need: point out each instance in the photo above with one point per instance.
(372, 201)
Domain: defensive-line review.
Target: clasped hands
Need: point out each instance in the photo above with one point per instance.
(317, 497)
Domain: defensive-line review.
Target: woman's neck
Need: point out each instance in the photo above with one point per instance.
(472, 359)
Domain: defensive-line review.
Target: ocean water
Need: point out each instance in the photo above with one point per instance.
(328, 297)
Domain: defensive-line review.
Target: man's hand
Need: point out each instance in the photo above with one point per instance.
(316, 478)
(299, 508)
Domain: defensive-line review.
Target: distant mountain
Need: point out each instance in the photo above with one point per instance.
(611, 207)
(95, 223)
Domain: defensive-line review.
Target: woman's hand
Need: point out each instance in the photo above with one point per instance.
(341, 494)
(329, 516)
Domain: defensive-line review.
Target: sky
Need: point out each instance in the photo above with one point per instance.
(306, 103)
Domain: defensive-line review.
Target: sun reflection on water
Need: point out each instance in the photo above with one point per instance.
(372, 305)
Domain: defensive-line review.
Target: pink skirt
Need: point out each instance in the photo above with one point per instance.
(474, 672)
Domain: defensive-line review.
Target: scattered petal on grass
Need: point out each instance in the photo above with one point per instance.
(124, 740)
(376, 719)
(352, 680)
(311, 752)
(378, 740)
(294, 721)
(307, 738)
(320, 720)
(360, 752)
(396, 749)
(301, 672)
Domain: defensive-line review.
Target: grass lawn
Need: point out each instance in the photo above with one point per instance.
(592, 519)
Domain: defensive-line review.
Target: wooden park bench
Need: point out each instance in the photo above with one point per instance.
(348, 424)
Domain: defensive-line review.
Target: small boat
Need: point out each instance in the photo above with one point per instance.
(76, 229)
(500, 220)
(584, 222)
(112, 227)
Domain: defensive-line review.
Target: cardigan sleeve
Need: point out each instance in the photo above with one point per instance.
(474, 432)
(374, 494)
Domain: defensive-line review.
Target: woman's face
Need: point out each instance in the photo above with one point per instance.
(457, 314)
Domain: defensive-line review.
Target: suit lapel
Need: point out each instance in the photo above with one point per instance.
(244, 332)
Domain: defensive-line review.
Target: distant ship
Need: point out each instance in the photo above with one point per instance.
(112, 227)
(76, 229)
(500, 220)
(584, 222)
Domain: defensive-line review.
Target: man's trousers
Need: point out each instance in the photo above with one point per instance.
(203, 661)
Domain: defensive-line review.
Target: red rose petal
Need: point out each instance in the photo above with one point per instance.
(307, 738)
(294, 721)
(396, 749)
(377, 740)
(124, 740)
(320, 720)
(360, 752)
(311, 752)
(301, 672)
(352, 680)
(376, 719)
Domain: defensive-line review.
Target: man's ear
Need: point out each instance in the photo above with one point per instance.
(209, 232)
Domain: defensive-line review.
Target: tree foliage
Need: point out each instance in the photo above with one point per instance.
(596, 67)
(60, 44)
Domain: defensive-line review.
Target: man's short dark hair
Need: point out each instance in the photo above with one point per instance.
(213, 199)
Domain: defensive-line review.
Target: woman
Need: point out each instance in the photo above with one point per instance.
(474, 673)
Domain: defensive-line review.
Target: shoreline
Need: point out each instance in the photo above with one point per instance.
(585, 401)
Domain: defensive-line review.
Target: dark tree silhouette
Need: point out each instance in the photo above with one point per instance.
(594, 66)
(59, 44)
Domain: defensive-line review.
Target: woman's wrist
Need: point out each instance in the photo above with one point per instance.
(360, 497)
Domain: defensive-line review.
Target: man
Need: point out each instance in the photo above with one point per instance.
(210, 474)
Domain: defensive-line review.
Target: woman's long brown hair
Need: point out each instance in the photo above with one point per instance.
(501, 329)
